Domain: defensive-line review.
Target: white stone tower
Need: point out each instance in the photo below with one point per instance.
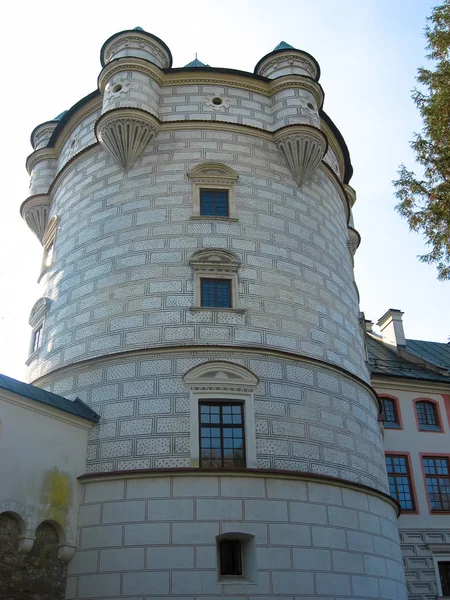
(198, 293)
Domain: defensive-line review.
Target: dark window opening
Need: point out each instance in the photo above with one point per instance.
(230, 557)
(216, 293)
(390, 416)
(427, 416)
(222, 444)
(214, 203)
(400, 481)
(37, 338)
(444, 575)
(438, 482)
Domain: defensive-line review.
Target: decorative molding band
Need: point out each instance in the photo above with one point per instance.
(125, 133)
(35, 211)
(237, 80)
(351, 194)
(251, 473)
(213, 172)
(78, 366)
(39, 155)
(303, 148)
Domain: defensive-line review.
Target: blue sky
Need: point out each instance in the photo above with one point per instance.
(369, 52)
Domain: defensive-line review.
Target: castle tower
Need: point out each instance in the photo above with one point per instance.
(198, 293)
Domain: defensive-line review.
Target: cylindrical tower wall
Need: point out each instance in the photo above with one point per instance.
(125, 331)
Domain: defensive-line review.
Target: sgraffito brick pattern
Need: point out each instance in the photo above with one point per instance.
(156, 537)
(121, 270)
(308, 419)
(37, 575)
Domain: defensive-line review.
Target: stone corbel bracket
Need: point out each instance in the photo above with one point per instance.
(125, 133)
(354, 239)
(303, 148)
(35, 211)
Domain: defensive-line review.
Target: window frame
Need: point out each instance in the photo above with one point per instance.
(434, 455)
(438, 557)
(48, 243)
(438, 428)
(248, 558)
(37, 322)
(224, 382)
(221, 403)
(215, 263)
(410, 477)
(203, 281)
(398, 424)
(214, 191)
(213, 176)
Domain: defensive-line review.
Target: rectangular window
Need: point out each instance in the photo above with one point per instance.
(214, 203)
(230, 557)
(216, 293)
(222, 435)
(400, 480)
(427, 417)
(390, 417)
(438, 482)
(37, 339)
(444, 576)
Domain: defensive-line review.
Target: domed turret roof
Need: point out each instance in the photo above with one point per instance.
(195, 63)
(283, 46)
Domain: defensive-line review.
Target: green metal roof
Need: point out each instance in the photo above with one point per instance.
(283, 46)
(138, 29)
(195, 63)
(60, 116)
(385, 361)
(433, 352)
(75, 407)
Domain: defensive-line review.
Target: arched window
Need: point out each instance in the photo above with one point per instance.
(427, 416)
(391, 418)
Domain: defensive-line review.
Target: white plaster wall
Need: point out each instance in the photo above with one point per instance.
(418, 531)
(155, 536)
(42, 452)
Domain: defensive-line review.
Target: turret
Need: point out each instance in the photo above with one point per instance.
(132, 62)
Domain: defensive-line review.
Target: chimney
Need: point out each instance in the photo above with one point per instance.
(391, 326)
(368, 324)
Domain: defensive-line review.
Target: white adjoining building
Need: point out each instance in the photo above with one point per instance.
(201, 421)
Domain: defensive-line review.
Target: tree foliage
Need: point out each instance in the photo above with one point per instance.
(425, 203)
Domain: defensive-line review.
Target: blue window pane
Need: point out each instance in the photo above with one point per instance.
(214, 203)
(216, 293)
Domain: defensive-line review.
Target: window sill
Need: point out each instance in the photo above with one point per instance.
(32, 356)
(239, 311)
(431, 429)
(391, 425)
(212, 218)
(232, 580)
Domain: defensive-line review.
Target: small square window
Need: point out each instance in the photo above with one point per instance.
(214, 203)
(216, 293)
(230, 557)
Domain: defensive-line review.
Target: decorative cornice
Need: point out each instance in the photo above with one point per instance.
(213, 171)
(303, 148)
(189, 348)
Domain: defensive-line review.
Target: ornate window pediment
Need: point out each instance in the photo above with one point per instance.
(213, 177)
(221, 376)
(214, 264)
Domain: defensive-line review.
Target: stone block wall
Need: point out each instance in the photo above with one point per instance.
(156, 536)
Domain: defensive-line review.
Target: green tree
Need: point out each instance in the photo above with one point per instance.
(425, 202)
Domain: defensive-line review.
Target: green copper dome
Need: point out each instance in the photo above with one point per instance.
(195, 63)
(283, 46)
